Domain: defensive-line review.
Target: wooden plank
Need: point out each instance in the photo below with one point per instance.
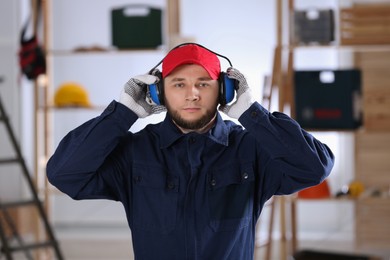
(375, 68)
(173, 20)
(372, 224)
(380, 40)
(348, 20)
(372, 58)
(368, 29)
(372, 153)
(289, 83)
(365, 24)
(370, 82)
(366, 10)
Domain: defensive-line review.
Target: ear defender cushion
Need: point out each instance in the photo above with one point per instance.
(227, 88)
(156, 91)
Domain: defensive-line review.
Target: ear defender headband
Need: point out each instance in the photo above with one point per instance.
(227, 86)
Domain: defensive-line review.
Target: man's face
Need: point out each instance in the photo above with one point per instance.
(191, 97)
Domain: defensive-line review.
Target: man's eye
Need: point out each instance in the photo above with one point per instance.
(203, 84)
(179, 85)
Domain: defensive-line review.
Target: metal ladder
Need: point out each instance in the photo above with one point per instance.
(6, 220)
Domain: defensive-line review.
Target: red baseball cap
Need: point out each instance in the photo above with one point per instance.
(192, 54)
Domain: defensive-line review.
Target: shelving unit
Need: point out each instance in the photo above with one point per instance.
(101, 70)
(372, 151)
(359, 30)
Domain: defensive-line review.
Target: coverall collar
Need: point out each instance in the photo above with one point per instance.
(169, 132)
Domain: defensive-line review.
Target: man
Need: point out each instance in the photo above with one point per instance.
(193, 186)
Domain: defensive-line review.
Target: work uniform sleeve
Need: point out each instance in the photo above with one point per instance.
(80, 166)
(297, 160)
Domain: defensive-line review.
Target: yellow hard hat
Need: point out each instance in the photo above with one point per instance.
(71, 94)
(356, 188)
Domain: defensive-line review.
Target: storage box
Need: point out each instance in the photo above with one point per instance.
(328, 99)
(136, 26)
(314, 26)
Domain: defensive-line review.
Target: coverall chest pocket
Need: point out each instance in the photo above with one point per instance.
(230, 196)
(155, 198)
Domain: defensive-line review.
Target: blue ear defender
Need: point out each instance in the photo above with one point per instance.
(227, 89)
(227, 86)
(154, 93)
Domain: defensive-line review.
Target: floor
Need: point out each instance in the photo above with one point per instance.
(116, 245)
(120, 250)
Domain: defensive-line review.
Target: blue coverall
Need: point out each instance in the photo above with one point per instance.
(189, 196)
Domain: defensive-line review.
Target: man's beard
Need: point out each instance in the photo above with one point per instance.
(191, 125)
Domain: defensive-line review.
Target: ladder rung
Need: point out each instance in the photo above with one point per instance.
(32, 246)
(9, 160)
(16, 204)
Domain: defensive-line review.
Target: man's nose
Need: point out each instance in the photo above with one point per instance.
(192, 93)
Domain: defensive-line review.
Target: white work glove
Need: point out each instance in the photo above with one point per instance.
(244, 96)
(133, 95)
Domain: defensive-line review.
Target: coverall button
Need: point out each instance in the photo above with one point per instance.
(245, 176)
(254, 113)
(213, 182)
(171, 185)
(192, 140)
(137, 178)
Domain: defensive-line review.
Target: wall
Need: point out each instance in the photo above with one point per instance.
(10, 89)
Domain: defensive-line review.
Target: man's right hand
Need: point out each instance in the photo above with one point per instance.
(133, 96)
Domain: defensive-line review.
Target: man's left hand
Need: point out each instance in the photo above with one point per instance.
(244, 96)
